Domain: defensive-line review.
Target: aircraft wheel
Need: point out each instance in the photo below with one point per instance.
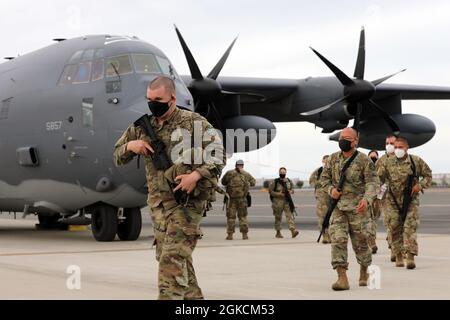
(50, 222)
(129, 229)
(104, 223)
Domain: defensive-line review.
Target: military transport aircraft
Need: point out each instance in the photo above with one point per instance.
(63, 107)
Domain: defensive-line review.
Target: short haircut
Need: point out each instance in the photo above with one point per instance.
(373, 151)
(391, 136)
(282, 168)
(402, 139)
(162, 81)
(325, 157)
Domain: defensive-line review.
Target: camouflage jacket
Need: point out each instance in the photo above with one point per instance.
(380, 162)
(396, 171)
(360, 183)
(238, 183)
(276, 188)
(314, 181)
(170, 132)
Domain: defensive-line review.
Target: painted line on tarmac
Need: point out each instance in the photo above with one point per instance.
(269, 205)
(313, 205)
(216, 245)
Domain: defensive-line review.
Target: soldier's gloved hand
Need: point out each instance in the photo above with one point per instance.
(188, 182)
(335, 194)
(415, 189)
(362, 206)
(140, 147)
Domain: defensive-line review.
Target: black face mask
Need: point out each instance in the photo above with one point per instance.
(158, 108)
(282, 175)
(345, 145)
(374, 159)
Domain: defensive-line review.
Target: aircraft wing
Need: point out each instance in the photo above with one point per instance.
(280, 100)
(413, 92)
(270, 88)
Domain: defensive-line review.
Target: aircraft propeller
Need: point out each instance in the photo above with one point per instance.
(357, 90)
(206, 90)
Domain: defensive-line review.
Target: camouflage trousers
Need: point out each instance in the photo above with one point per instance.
(239, 206)
(321, 209)
(404, 236)
(375, 212)
(343, 224)
(278, 208)
(175, 240)
(385, 209)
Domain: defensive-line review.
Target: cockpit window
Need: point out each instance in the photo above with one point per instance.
(99, 53)
(165, 65)
(146, 63)
(98, 69)
(83, 73)
(76, 57)
(68, 74)
(119, 64)
(88, 55)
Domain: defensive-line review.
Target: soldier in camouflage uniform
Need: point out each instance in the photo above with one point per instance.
(374, 211)
(280, 204)
(350, 216)
(395, 172)
(176, 226)
(322, 198)
(390, 141)
(237, 183)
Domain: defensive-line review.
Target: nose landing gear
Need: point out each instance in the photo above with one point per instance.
(107, 221)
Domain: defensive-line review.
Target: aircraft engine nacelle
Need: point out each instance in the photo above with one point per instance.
(247, 133)
(335, 118)
(416, 128)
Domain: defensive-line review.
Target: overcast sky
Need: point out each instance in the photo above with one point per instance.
(274, 37)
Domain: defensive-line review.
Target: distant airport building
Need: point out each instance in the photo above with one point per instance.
(441, 179)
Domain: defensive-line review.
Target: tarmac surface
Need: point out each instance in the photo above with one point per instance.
(37, 264)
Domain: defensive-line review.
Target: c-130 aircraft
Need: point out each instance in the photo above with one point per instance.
(63, 107)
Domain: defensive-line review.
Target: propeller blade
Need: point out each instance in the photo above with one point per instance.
(216, 70)
(193, 67)
(361, 60)
(379, 81)
(199, 107)
(343, 78)
(391, 122)
(250, 94)
(321, 109)
(217, 117)
(357, 121)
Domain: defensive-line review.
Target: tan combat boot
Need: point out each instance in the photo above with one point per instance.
(294, 233)
(230, 236)
(326, 238)
(373, 246)
(244, 236)
(363, 276)
(399, 260)
(392, 257)
(278, 235)
(374, 249)
(410, 264)
(342, 281)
